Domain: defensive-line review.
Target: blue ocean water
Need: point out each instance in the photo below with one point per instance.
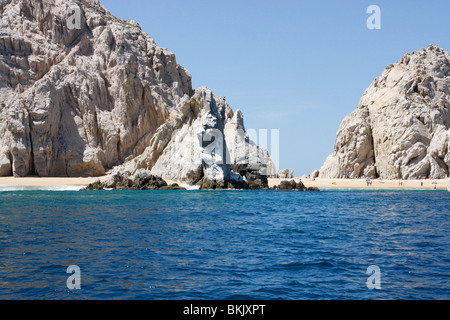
(224, 244)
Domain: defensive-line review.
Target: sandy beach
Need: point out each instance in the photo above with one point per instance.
(376, 184)
(46, 182)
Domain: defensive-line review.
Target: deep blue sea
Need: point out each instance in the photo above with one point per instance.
(218, 245)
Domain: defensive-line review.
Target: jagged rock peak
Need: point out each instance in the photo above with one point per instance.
(101, 94)
(400, 128)
(202, 145)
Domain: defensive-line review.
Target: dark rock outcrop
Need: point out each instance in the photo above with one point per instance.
(139, 182)
(253, 177)
(288, 185)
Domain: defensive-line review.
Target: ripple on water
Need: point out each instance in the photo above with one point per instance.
(224, 245)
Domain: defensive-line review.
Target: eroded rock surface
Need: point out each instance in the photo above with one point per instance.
(82, 102)
(401, 126)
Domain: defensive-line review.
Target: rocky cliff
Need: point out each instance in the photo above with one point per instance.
(82, 101)
(203, 142)
(400, 128)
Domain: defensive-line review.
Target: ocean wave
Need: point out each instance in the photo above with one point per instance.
(302, 265)
(188, 187)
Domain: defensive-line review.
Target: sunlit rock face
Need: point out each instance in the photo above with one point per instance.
(82, 101)
(401, 126)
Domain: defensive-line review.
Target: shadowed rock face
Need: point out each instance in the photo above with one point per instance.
(81, 102)
(401, 126)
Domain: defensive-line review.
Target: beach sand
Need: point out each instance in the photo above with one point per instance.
(320, 183)
(46, 182)
(376, 184)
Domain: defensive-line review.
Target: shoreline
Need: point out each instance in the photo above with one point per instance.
(377, 184)
(322, 184)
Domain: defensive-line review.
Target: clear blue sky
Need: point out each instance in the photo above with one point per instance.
(298, 66)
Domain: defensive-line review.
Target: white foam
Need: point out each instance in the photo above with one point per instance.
(188, 187)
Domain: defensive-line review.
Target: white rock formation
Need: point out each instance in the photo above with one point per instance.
(203, 141)
(78, 102)
(401, 126)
